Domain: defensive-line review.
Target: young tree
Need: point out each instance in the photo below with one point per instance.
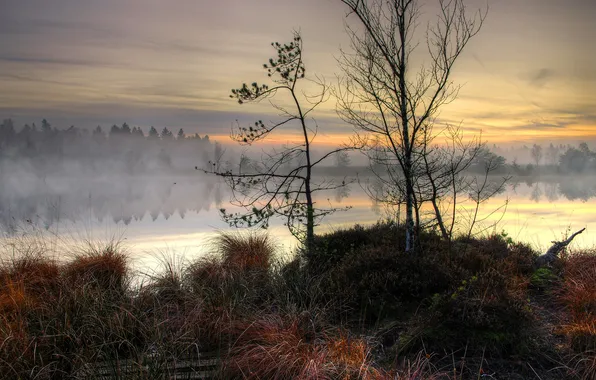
(137, 132)
(153, 134)
(7, 133)
(46, 127)
(381, 94)
(552, 154)
(125, 129)
(166, 134)
(536, 153)
(180, 135)
(342, 160)
(267, 189)
(115, 131)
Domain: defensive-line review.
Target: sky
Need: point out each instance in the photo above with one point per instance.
(529, 75)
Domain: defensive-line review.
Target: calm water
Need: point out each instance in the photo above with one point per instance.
(168, 214)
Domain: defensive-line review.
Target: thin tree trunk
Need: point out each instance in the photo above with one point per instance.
(444, 232)
(310, 218)
(406, 133)
(409, 212)
(417, 207)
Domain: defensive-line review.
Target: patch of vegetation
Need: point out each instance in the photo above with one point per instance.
(358, 308)
(577, 296)
(542, 278)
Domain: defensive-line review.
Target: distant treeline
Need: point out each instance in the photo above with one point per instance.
(561, 159)
(121, 150)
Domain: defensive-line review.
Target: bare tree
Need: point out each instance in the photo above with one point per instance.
(342, 160)
(481, 188)
(536, 153)
(281, 183)
(552, 154)
(444, 178)
(382, 96)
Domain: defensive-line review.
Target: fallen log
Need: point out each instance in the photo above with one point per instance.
(553, 252)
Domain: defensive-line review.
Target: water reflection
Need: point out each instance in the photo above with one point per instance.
(48, 201)
(571, 188)
(179, 208)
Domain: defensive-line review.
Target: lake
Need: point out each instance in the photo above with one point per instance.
(179, 215)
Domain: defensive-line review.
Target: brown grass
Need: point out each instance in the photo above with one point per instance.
(274, 347)
(274, 322)
(289, 347)
(246, 251)
(578, 296)
(26, 280)
(106, 269)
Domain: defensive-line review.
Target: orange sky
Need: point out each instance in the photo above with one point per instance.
(529, 75)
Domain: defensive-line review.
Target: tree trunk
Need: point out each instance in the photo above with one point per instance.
(310, 219)
(409, 213)
(553, 252)
(439, 217)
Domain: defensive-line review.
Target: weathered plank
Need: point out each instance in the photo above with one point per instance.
(201, 367)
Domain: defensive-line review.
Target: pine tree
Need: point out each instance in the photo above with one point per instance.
(268, 190)
(138, 132)
(7, 133)
(166, 134)
(115, 130)
(153, 134)
(125, 130)
(45, 126)
(98, 135)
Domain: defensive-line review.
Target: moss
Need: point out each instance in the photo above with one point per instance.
(542, 278)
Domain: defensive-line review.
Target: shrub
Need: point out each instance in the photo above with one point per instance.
(378, 281)
(482, 312)
(486, 304)
(331, 248)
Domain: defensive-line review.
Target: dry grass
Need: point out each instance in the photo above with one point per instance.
(106, 269)
(271, 347)
(289, 347)
(578, 292)
(270, 321)
(578, 296)
(246, 251)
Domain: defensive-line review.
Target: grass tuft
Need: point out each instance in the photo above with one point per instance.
(106, 269)
(577, 294)
(246, 251)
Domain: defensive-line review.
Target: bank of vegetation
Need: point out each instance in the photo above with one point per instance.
(357, 306)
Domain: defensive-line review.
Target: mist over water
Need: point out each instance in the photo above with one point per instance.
(180, 212)
(73, 186)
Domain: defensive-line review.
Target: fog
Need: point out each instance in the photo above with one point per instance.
(122, 176)
(49, 174)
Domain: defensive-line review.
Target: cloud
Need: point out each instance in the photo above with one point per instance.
(540, 78)
(57, 61)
